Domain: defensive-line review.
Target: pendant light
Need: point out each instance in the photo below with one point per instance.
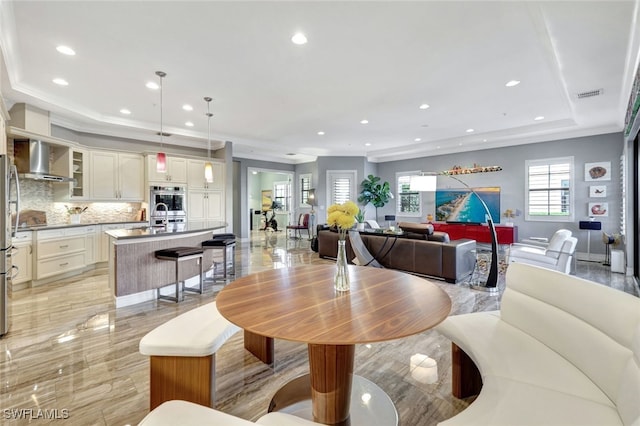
(208, 167)
(161, 158)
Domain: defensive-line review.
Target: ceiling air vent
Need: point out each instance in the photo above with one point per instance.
(589, 93)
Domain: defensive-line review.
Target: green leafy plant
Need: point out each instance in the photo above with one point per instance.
(360, 216)
(375, 192)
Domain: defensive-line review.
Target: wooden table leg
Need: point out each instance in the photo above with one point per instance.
(260, 346)
(331, 371)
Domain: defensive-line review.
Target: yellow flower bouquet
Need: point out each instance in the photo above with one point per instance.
(343, 217)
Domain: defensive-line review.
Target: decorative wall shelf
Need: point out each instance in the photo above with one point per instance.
(459, 170)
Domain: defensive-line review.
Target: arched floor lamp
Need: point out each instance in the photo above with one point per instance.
(427, 182)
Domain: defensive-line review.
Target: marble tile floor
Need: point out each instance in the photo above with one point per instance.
(72, 355)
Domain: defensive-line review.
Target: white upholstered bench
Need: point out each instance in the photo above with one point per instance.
(561, 351)
(182, 351)
(184, 413)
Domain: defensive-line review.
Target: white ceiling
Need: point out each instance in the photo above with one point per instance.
(364, 60)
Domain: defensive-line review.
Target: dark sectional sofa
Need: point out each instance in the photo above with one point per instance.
(423, 253)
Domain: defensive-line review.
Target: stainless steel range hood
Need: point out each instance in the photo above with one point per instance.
(32, 160)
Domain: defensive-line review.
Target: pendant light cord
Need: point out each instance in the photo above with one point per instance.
(209, 115)
(161, 74)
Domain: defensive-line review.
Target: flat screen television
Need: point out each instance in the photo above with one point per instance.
(463, 206)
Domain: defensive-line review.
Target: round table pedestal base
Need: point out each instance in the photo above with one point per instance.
(370, 405)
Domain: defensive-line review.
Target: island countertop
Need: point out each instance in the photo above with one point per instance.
(148, 231)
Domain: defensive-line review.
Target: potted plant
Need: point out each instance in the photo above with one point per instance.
(360, 219)
(375, 192)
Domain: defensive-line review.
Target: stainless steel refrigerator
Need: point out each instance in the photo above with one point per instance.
(9, 196)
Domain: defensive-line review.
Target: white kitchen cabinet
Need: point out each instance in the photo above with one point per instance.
(75, 163)
(90, 256)
(116, 176)
(59, 251)
(102, 254)
(176, 170)
(195, 175)
(205, 207)
(22, 258)
(104, 241)
(3, 134)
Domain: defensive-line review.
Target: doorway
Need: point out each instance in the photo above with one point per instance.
(277, 183)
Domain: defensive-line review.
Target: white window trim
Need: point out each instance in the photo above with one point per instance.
(287, 185)
(397, 191)
(572, 206)
(352, 174)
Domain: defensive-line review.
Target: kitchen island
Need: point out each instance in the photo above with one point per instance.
(134, 271)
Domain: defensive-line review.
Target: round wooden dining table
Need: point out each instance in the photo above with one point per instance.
(300, 304)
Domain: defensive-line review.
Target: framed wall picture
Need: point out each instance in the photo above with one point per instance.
(597, 191)
(597, 171)
(598, 209)
(267, 200)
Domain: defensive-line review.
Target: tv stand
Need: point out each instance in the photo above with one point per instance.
(480, 233)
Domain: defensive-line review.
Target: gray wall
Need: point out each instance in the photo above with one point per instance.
(241, 190)
(511, 180)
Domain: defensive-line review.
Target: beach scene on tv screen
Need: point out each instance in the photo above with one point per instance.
(462, 205)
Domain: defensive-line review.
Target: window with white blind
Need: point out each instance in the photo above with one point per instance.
(342, 186)
(408, 203)
(549, 189)
(282, 195)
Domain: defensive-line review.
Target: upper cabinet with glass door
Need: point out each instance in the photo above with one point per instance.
(75, 163)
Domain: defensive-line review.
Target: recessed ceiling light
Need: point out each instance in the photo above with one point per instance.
(538, 118)
(470, 130)
(320, 133)
(460, 144)
(424, 106)
(364, 121)
(367, 144)
(188, 124)
(125, 111)
(438, 147)
(61, 81)
(417, 140)
(512, 83)
(484, 140)
(152, 85)
(299, 38)
(187, 107)
(66, 50)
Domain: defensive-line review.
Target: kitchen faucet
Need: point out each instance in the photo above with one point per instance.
(165, 222)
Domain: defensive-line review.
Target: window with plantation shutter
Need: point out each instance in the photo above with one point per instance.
(550, 189)
(305, 186)
(341, 186)
(408, 203)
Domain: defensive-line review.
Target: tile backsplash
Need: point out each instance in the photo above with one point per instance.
(38, 195)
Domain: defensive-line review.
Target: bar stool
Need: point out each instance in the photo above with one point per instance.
(177, 255)
(226, 243)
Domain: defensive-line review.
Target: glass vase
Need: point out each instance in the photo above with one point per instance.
(341, 279)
